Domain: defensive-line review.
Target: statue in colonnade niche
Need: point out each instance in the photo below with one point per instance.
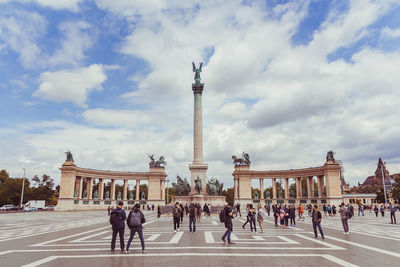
(95, 194)
(119, 195)
(267, 194)
(75, 193)
(130, 195)
(142, 196)
(255, 194)
(107, 194)
(291, 193)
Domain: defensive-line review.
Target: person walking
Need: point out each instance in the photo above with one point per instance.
(376, 210)
(182, 212)
(260, 217)
(286, 216)
(238, 210)
(247, 216)
(383, 211)
(117, 220)
(393, 214)
(135, 221)
(192, 218)
(309, 209)
(158, 211)
(268, 209)
(109, 210)
(324, 209)
(176, 213)
(152, 207)
(198, 211)
(329, 208)
(344, 215)
(334, 210)
(252, 218)
(186, 209)
(228, 223)
(301, 212)
(276, 214)
(316, 221)
(292, 215)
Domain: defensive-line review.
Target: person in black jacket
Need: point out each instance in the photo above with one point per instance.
(228, 223)
(316, 220)
(135, 221)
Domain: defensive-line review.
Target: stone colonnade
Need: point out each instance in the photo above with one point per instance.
(75, 196)
(327, 177)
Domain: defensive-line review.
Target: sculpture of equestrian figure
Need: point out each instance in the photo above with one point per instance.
(69, 156)
(197, 73)
(159, 163)
(244, 161)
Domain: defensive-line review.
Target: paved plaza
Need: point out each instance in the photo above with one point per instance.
(83, 239)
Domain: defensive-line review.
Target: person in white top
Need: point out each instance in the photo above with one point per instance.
(260, 217)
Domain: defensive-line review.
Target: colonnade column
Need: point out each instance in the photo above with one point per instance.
(320, 185)
(235, 188)
(262, 188)
(298, 187)
(286, 188)
(81, 187)
(90, 186)
(101, 188)
(162, 187)
(112, 195)
(125, 190)
(274, 196)
(309, 187)
(137, 189)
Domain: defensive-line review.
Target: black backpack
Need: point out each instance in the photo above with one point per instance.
(222, 215)
(115, 218)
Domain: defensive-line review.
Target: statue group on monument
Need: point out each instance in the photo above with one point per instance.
(244, 161)
(214, 187)
(197, 79)
(157, 163)
(69, 155)
(181, 187)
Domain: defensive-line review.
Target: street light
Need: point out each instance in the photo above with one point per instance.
(22, 193)
(384, 187)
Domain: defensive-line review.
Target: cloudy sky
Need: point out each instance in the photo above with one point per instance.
(285, 81)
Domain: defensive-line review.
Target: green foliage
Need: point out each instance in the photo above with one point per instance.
(228, 193)
(3, 176)
(396, 190)
(10, 191)
(171, 194)
(370, 189)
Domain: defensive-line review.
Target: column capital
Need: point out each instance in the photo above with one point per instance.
(197, 88)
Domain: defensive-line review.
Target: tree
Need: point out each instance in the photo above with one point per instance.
(3, 176)
(10, 191)
(43, 189)
(396, 190)
(228, 194)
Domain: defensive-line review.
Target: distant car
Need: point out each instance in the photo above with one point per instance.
(50, 207)
(7, 207)
(28, 209)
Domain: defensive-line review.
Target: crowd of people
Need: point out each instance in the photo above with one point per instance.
(283, 214)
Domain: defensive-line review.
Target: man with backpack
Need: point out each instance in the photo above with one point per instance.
(135, 221)
(192, 218)
(117, 220)
(226, 216)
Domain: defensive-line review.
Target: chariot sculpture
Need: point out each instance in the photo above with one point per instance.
(244, 161)
(157, 163)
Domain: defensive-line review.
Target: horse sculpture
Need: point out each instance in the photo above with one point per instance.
(181, 187)
(159, 163)
(244, 161)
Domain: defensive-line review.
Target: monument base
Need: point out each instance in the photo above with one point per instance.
(202, 199)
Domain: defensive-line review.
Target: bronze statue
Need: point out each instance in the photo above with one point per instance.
(159, 163)
(69, 155)
(181, 187)
(244, 161)
(197, 185)
(197, 73)
(214, 187)
(330, 155)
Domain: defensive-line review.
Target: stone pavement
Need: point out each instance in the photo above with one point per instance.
(83, 239)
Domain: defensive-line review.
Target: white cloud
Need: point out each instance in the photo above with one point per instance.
(71, 86)
(388, 33)
(71, 5)
(79, 37)
(19, 31)
(112, 117)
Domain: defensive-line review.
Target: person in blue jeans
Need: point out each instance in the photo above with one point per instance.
(117, 220)
(228, 223)
(192, 218)
(316, 221)
(252, 218)
(135, 221)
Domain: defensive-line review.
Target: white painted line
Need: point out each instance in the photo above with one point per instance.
(326, 256)
(234, 237)
(375, 249)
(153, 237)
(175, 239)
(66, 237)
(287, 240)
(87, 237)
(257, 237)
(209, 237)
(214, 222)
(324, 243)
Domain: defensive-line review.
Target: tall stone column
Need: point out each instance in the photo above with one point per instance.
(274, 196)
(112, 195)
(309, 187)
(137, 189)
(299, 193)
(125, 190)
(235, 188)
(286, 188)
(101, 188)
(162, 188)
(90, 188)
(81, 187)
(261, 188)
(321, 185)
(198, 169)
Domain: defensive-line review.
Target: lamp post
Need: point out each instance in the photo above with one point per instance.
(22, 192)
(167, 191)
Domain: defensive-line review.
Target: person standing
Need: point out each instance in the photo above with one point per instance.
(301, 212)
(109, 210)
(393, 214)
(376, 210)
(182, 212)
(152, 207)
(186, 209)
(344, 215)
(158, 211)
(238, 210)
(276, 214)
(383, 211)
(316, 220)
(252, 218)
(135, 221)
(292, 215)
(192, 218)
(198, 211)
(309, 208)
(268, 209)
(286, 216)
(247, 216)
(334, 210)
(260, 217)
(329, 208)
(117, 220)
(324, 209)
(176, 213)
(228, 224)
